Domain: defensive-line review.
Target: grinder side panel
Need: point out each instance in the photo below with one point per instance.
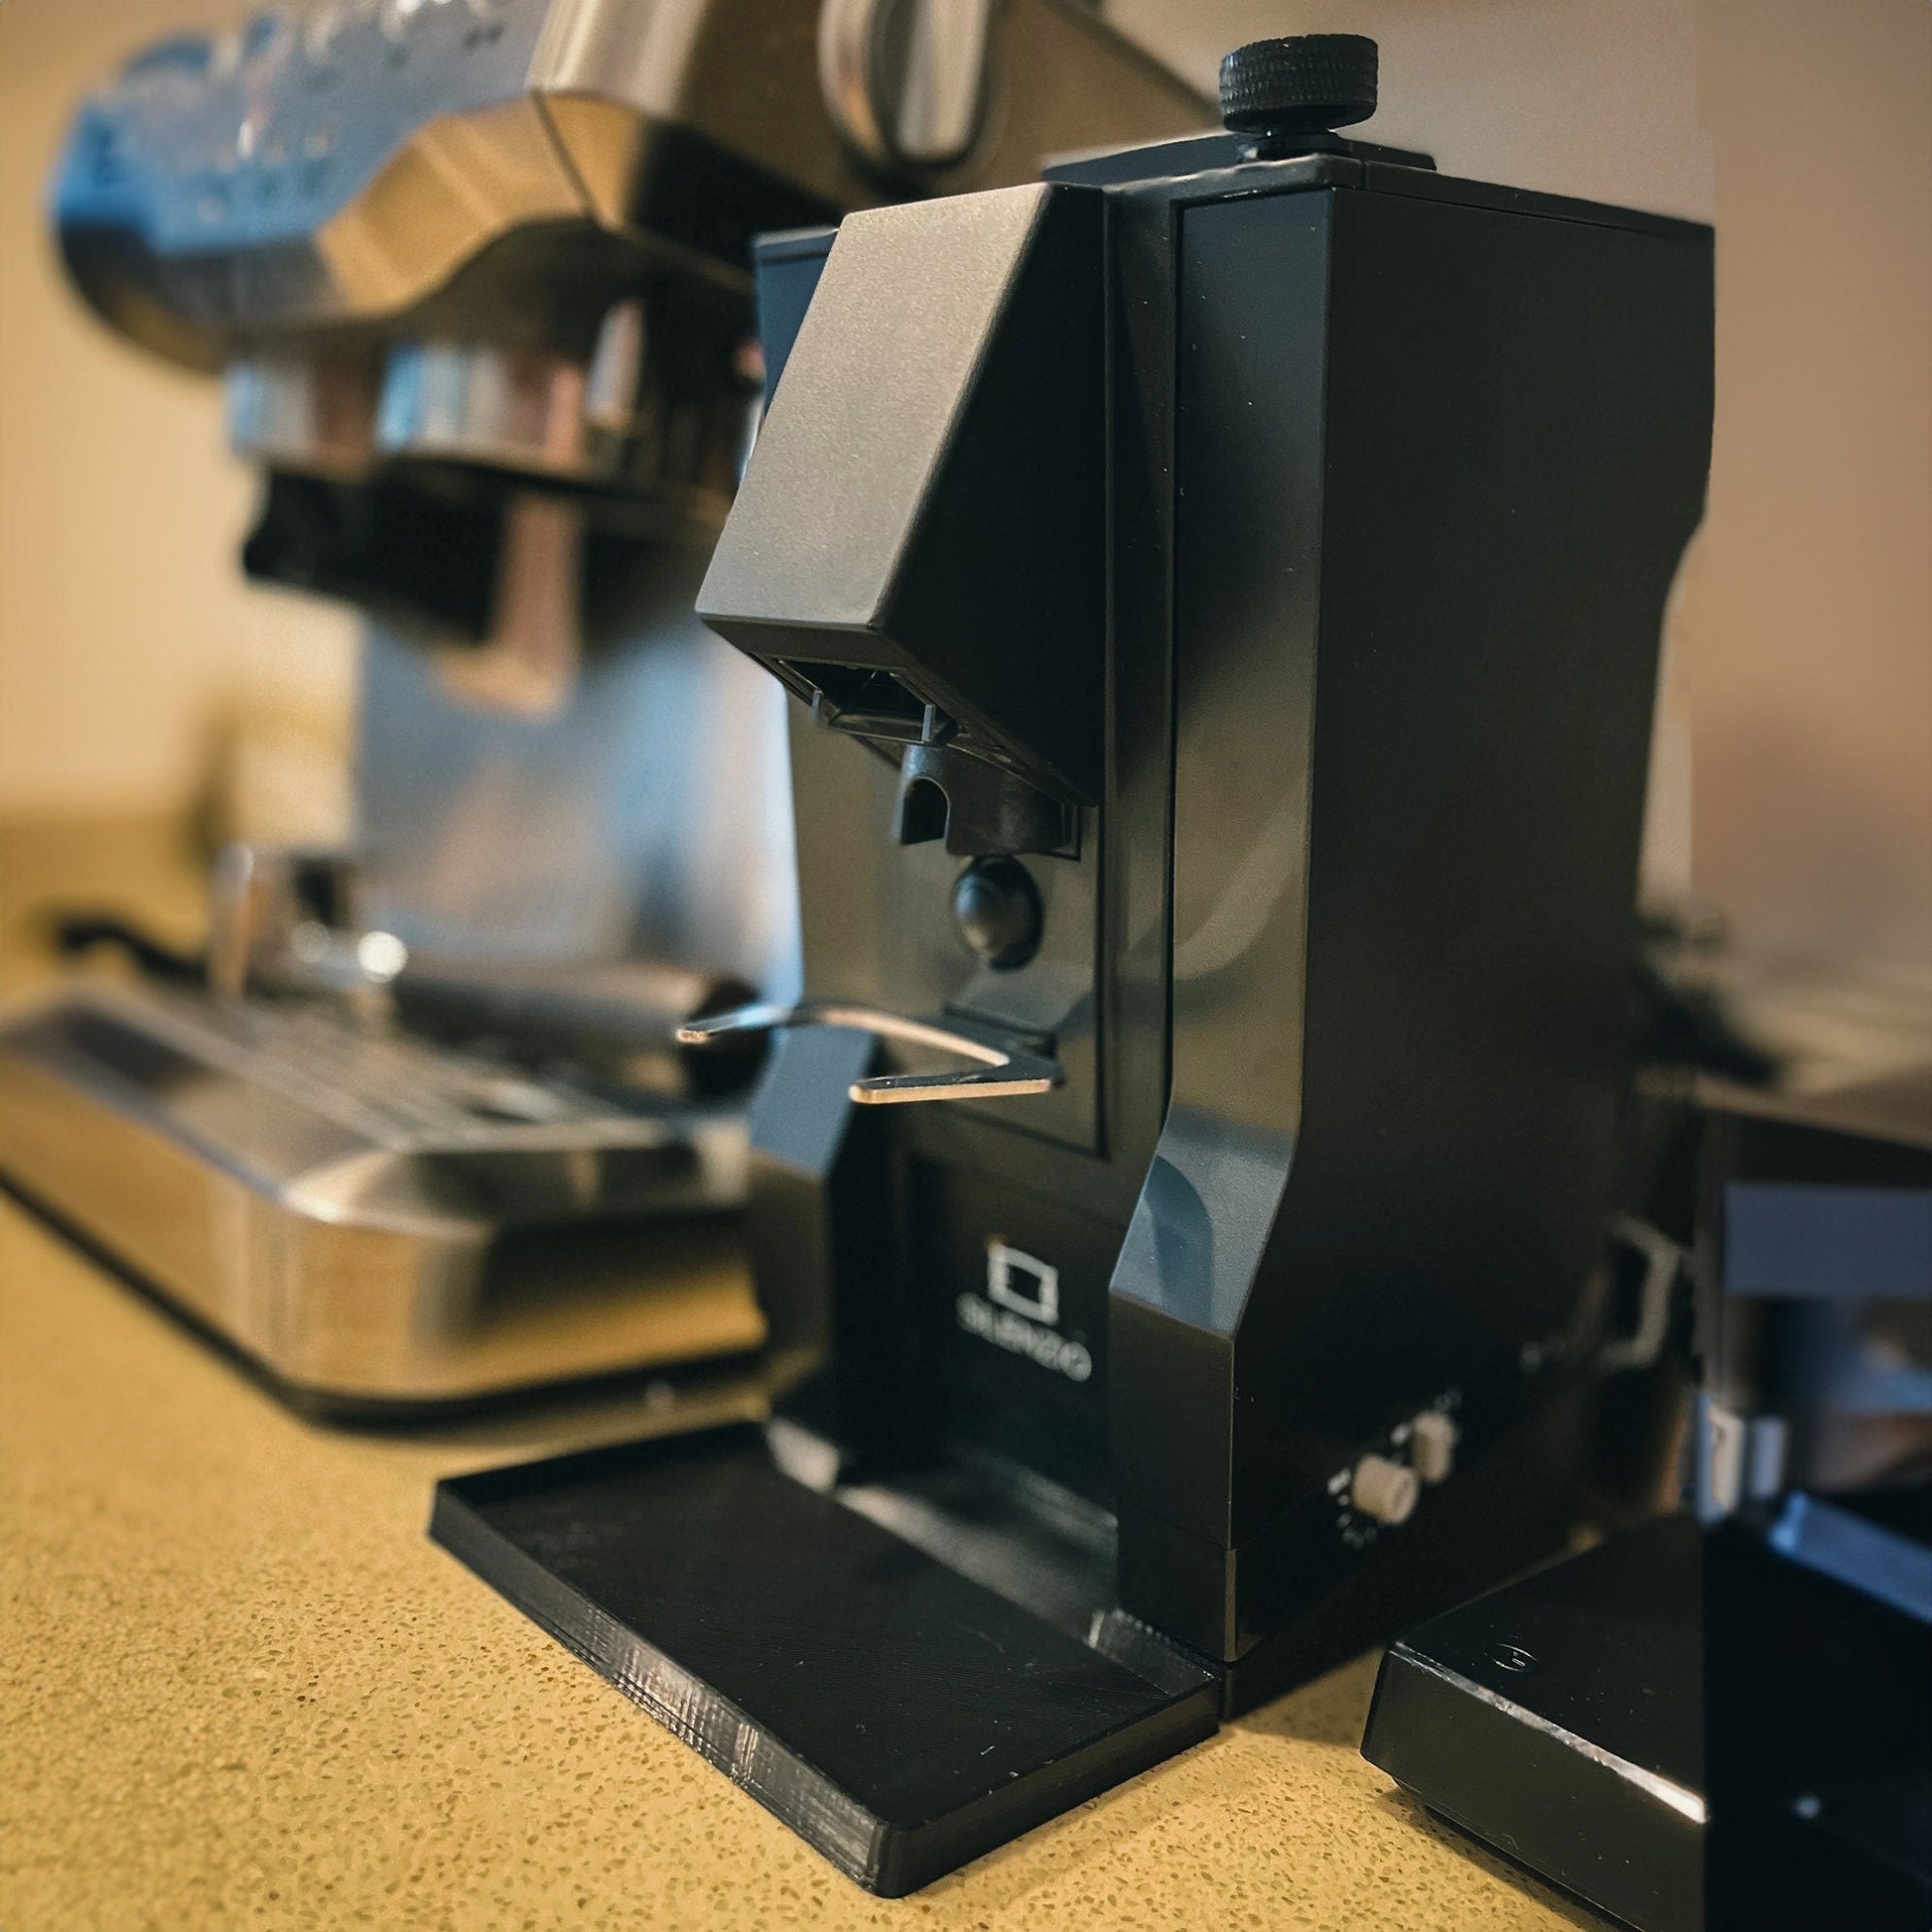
(1396, 1189)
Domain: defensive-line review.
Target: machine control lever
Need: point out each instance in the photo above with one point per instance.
(906, 80)
(1001, 1070)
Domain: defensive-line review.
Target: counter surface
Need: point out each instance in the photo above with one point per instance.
(242, 1689)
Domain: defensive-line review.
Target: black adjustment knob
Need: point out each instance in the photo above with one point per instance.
(996, 906)
(1305, 84)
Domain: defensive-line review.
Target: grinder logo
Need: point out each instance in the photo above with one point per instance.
(1021, 1312)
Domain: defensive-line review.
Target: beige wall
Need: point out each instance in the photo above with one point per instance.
(1795, 773)
(127, 640)
(1808, 641)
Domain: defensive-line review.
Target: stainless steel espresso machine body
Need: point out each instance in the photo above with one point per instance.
(476, 273)
(1222, 586)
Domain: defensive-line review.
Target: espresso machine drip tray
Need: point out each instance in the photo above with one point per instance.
(377, 1226)
(898, 1715)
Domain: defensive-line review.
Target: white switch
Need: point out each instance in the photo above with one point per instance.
(1384, 1489)
(1432, 1445)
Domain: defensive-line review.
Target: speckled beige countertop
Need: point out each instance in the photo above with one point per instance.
(241, 1689)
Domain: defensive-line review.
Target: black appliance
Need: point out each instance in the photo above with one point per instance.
(1722, 1721)
(1223, 584)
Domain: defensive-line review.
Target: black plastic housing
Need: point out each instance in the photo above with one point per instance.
(1400, 472)
(922, 552)
(1304, 528)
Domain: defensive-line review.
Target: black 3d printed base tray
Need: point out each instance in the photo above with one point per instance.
(899, 1718)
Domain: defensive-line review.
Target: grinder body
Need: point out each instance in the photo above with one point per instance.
(1300, 530)
(1222, 589)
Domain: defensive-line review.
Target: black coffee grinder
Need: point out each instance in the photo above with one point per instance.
(1225, 583)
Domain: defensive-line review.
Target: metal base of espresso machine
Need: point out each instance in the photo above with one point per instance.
(1226, 633)
(478, 279)
(378, 1226)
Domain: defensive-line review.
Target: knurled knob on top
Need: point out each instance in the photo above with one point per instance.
(1305, 84)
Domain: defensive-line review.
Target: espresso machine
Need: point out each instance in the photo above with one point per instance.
(1220, 584)
(414, 1130)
